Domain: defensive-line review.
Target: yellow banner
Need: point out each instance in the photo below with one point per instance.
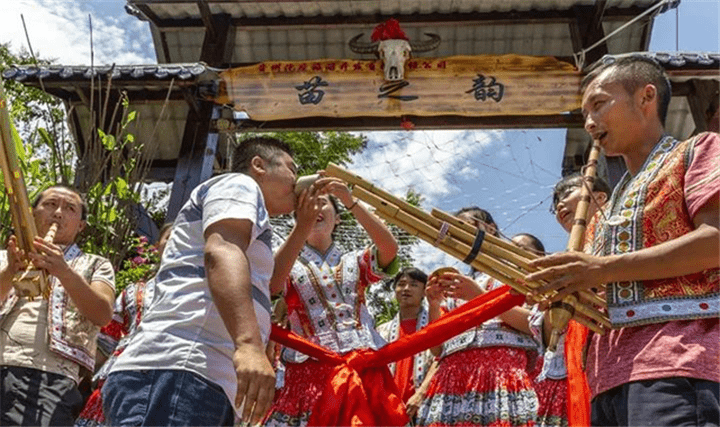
(459, 85)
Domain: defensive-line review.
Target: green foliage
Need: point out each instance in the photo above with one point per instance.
(314, 150)
(140, 265)
(109, 170)
(44, 152)
(114, 191)
(389, 309)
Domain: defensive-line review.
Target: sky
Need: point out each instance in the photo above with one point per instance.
(509, 173)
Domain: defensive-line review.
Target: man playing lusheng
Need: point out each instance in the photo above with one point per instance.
(201, 344)
(44, 343)
(656, 246)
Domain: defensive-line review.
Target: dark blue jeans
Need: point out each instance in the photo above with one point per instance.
(676, 401)
(164, 398)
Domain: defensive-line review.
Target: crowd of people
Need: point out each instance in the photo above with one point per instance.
(190, 345)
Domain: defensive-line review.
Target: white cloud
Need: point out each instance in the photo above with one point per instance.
(428, 258)
(431, 163)
(60, 30)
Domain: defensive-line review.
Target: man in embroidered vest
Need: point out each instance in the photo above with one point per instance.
(656, 247)
(198, 355)
(44, 343)
(409, 373)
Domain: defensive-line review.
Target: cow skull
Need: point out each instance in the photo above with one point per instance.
(394, 52)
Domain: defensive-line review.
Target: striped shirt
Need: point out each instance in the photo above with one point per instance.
(182, 328)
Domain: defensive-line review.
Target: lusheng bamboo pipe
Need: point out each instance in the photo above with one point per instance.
(561, 312)
(20, 210)
(386, 211)
(32, 281)
(500, 248)
(457, 239)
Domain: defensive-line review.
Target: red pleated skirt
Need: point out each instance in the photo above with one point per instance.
(293, 403)
(552, 397)
(488, 386)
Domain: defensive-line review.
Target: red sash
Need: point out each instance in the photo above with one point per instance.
(361, 391)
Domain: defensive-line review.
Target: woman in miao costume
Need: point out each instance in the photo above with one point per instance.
(482, 378)
(324, 291)
(551, 381)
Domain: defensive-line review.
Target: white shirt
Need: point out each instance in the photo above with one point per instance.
(182, 328)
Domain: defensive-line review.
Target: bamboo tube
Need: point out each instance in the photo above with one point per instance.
(504, 273)
(457, 246)
(32, 281)
(524, 254)
(458, 241)
(588, 297)
(559, 315)
(20, 209)
(579, 316)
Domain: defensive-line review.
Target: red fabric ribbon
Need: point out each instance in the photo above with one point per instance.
(361, 390)
(578, 390)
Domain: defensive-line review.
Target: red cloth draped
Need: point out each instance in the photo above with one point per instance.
(404, 368)
(578, 389)
(361, 390)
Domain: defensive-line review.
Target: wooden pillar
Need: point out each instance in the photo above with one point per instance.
(197, 151)
(197, 156)
(703, 102)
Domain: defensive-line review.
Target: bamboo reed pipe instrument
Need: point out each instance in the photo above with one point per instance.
(561, 312)
(497, 258)
(20, 210)
(33, 282)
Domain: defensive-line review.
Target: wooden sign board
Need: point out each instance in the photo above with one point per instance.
(460, 85)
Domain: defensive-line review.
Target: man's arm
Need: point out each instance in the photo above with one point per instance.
(228, 276)
(691, 253)
(416, 399)
(93, 300)
(305, 216)
(435, 296)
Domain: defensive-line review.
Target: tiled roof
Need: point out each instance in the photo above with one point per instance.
(118, 72)
(674, 60)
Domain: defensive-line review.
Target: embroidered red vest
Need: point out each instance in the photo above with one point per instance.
(646, 210)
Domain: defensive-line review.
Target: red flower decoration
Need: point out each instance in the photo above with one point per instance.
(388, 30)
(407, 124)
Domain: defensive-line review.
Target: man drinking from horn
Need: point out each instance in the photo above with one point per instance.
(44, 343)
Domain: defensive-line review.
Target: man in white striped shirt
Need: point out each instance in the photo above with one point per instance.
(200, 346)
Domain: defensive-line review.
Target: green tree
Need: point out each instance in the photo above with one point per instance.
(114, 163)
(44, 149)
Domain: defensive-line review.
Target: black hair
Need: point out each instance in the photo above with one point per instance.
(480, 215)
(573, 181)
(265, 147)
(413, 273)
(535, 242)
(83, 203)
(634, 72)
